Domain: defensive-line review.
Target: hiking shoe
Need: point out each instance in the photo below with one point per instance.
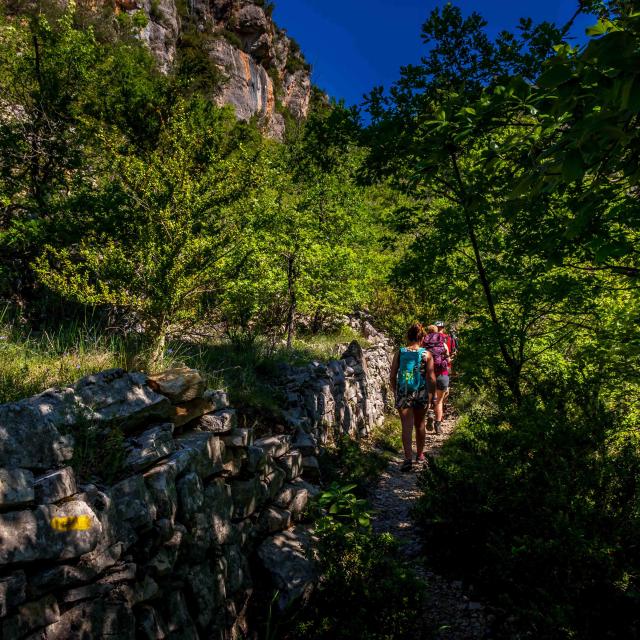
(438, 428)
(406, 465)
(420, 459)
(430, 418)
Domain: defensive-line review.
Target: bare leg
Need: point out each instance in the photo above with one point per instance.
(420, 421)
(406, 417)
(439, 401)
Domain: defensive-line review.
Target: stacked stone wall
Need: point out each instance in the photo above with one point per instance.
(172, 547)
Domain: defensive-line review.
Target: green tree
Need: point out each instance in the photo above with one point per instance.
(178, 215)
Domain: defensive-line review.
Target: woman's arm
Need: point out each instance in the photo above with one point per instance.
(393, 378)
(431, 370)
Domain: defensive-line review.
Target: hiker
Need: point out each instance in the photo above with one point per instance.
(449, 339)
(412, 378)
(435, 342)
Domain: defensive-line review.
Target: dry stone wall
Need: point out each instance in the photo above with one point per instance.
(175, 545)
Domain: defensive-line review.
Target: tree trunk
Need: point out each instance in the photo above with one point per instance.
(513, 366)
(291, 293)
(157, 336)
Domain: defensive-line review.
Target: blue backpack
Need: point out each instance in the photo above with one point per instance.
(409, 374)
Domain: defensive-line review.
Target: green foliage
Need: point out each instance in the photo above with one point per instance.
(388, 436)
(349, 462)
(31, 363)
(232, 38)
(365, 591)
(180, 212)
(98, 453)
(517, 158)
(540, 507)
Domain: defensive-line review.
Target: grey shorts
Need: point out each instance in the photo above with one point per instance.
(442, 382)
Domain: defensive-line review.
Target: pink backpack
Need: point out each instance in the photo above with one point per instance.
(436, 345)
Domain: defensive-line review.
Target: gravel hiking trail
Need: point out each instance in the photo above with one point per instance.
(448, 609)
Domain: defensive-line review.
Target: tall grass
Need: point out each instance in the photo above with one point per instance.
(31, 362)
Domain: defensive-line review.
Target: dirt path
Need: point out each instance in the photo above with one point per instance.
(447, 608)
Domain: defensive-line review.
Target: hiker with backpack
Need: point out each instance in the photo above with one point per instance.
(436, 343)
(412, 379)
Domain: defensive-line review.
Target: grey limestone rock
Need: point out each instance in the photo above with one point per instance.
(150, 624)
(16, 487)
(256, 459)
(179, 385)
(294, 499)
(304, 443)
(149, 447)
(274, 519)
(13, 592)
(31, 616)
(55, 485)
(218, 503)
(287, 557)
(132, 502)
(246, 495)
(274, 446)
(238, 438)
(31, 431)
(190, 496)
(48, 533)
(222, 421)
(93, 619)
(117, 398)
(207, 450)
(291, 464)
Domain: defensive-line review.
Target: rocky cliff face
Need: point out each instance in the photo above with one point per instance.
(264, 73)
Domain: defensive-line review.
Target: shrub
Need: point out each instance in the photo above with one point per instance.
(365, 591)
(541, 508)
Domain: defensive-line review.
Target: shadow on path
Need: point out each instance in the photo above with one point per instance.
(447, 608)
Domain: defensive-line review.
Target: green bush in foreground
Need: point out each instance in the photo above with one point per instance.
(365, 592)
(541, 509)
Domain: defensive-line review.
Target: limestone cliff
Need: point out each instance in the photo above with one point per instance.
(263, 73)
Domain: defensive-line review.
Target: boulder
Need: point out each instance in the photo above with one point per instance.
(190, 496)
(179, 385)
(13, 592)
(274, 519)
(222, 421)
(16, 487)
(274, 446)
(31, 616)
(207, 450)
(210, 402)
(150, 624)
(294, 499)
(149, 447)
(246, 496)
(287, 558)
(256, 459)
(218, 504)
(55, 485)
(117, 398)
(133, 503)
(238, 438)
(31, 431)
(93, 619)
(48, 533)
(291, 464)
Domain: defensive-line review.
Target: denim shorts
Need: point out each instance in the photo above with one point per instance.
(442, 382)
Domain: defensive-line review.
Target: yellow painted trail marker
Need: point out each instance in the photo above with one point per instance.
(71, 523)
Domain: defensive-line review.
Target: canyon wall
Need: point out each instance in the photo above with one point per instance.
(264, 74)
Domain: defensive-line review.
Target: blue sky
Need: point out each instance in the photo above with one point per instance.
(354, 45)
